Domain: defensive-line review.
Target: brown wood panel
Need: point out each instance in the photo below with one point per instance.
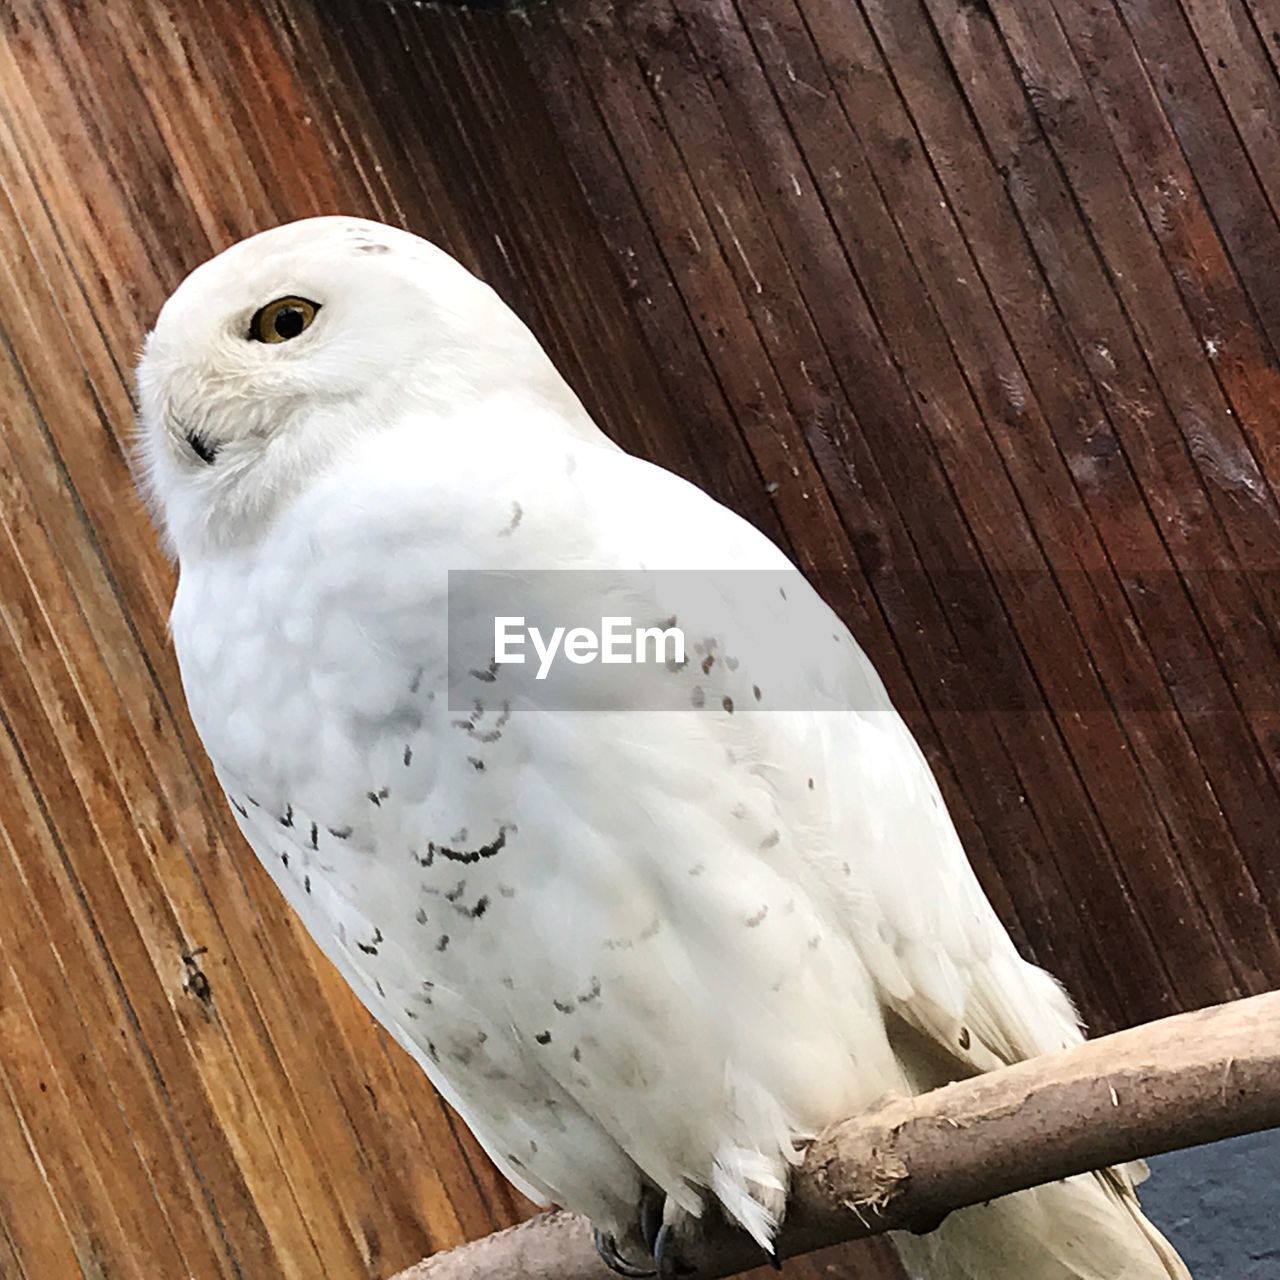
(970, 303)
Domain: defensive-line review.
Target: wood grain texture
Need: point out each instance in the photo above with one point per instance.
(970, 303)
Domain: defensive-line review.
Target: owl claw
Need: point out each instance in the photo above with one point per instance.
(666, 1255)
(607, 1248)
(651, 1206)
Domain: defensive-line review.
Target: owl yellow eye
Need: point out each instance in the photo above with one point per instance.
(282, 319)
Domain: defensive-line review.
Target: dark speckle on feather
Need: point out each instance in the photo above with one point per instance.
(238, 807)
(372, 246)
(315, 836)
(625, 944)
(481, 906)
(287, 819)
(443, 943)
(495, 733)
(758, 918)
(340, 833)
(563, 1007)
(727, 703)
(543, 1037)
(517, 514)
(467, 856)
(476, 764)
(671, 663)
(408, 755)
(697, 697)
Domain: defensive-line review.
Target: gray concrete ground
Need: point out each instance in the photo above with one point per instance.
(1220, 1205)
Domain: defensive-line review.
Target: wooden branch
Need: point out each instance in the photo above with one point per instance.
(1176, 1083)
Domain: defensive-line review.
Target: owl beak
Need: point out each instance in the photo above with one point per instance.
(204, 449)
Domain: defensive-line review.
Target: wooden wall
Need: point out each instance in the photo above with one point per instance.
(971, 303)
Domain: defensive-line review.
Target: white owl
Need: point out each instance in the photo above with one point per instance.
(645, 953)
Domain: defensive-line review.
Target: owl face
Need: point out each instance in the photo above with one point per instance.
(274, 355)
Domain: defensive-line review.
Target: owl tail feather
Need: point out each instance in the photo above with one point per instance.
(1083, 1228)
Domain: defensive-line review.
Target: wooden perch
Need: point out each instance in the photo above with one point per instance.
(1176, 1083)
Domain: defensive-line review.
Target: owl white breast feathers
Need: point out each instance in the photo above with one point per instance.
(645, 952)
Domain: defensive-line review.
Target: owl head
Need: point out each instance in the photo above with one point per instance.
(272, 358)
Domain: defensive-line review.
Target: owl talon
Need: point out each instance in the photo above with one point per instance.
(651, 1206)
(607, 1248)
(667, 1256)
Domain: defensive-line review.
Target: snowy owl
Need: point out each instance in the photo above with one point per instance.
(646, 953)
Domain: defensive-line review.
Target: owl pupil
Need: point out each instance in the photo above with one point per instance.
(289, 322)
